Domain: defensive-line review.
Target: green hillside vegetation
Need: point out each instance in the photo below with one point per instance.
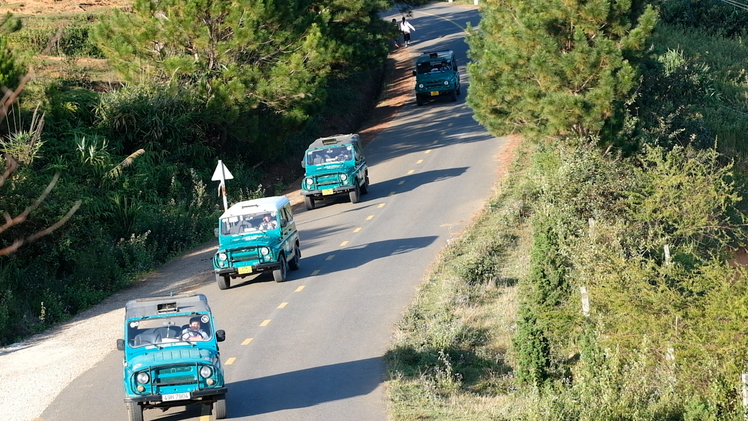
(597, 283)
(128, 112)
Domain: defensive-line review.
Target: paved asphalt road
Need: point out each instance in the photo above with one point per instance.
(311, 348)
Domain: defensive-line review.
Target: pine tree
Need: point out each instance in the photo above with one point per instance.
(558, 68)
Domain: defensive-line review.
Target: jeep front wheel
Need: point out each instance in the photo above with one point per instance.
(219, 407)
(453, 95)
(280, 274)
(309, 202)
(355, 193)
(419, 100)
(224, 281)
(134, 411)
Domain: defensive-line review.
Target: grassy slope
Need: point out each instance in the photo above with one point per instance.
(452, 357)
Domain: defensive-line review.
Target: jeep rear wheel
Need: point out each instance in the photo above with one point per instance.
(294, 263)
(224, 281)
(134, 411)
(219, 407)
(355, 193)
(280, 274)
(309, 202)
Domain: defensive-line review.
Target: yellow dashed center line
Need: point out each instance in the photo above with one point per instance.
(419, 161)
(357, 229)
(411, 172)
(247, 341)
(330, 257)
(393, 193)
(230, 361)
(282, 305)
(381, 205)
(428, 151)
(435, 142)
(265, 322)
(401, 182)
(316, 272)
(299, 288)
(370, 217)
(343, 243)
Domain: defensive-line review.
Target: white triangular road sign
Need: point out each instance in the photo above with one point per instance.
(221, 172)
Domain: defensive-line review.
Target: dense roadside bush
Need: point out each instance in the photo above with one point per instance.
(138, 156)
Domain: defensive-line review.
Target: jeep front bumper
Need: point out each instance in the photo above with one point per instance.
(247, 270)
(328, 192)
(196, 396)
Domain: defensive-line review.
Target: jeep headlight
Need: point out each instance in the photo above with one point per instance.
(264, 251)
(343, 177)
(309, 181)
(420, 86)
(143, 378)
(222, 256)
(446, 83)
(206, 371)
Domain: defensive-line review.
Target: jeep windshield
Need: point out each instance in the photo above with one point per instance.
(428, 67)
(331, 155)
(248, 223)
(158, 331)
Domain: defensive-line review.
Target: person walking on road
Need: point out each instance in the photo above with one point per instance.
(406, 28)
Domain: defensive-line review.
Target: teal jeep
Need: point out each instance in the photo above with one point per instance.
(171, 355)
(334, 166)
(436, 75)
(256, 236)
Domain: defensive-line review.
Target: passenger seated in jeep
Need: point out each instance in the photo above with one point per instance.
(268, 223)
(194, 331)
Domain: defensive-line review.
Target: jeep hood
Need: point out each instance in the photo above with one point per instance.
(252, 239)
(171, 355)
(312, 170)
(431, 77)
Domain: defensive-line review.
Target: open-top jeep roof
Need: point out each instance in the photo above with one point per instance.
(184, 303)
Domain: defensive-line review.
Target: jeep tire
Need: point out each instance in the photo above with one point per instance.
(219, 407)
(295, 264)
(419, 100)
(365, 187)
(134, 411)
(309, 202)
(355, 194)
(224, 281)
(280, 274)
(453, 95)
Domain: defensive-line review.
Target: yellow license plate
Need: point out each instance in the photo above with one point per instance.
(327, 192)
(435, 93)
(245, 269)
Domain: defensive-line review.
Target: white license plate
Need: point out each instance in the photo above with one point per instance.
(175, 397)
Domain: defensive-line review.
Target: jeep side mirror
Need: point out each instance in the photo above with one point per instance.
(414, 72)
(303, 163)
(120, 344)
(284, 222)
(215, 232)
(220, 335)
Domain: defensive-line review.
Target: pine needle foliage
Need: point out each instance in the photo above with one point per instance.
(559, 68)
